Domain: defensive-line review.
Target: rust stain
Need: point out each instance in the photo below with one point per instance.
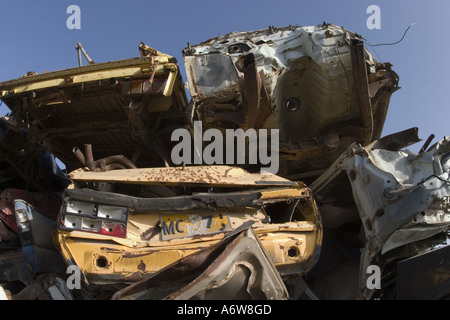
(151, 232)
(136, 255)
(111, 249)
(141, 266)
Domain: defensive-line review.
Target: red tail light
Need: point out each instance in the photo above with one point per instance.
(95, 218)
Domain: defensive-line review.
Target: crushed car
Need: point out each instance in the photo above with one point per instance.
(318, 85)
(118, 237)
(139, 225)
(381, 206)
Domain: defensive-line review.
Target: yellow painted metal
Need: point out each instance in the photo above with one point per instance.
(291, 246)
(170, 82)
(109, 258)
(103, 71)
(104, 258)
(99, 258)
(287, 193)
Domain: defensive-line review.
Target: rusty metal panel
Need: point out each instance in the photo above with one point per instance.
(207, 175)
(69, 108)
(318, 85)
(237, 267)
(291, 246)
(284, 216)
(130, 218)
(93, 72)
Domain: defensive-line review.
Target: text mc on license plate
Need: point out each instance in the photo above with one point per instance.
(191, 224)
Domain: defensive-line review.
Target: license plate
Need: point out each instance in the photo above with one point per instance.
(192, 224)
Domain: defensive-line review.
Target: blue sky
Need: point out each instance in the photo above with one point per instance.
(34, 37)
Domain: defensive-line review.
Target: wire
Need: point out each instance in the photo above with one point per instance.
(390, 44)
(437, 177)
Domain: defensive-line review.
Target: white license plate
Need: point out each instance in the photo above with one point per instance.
(192, 224)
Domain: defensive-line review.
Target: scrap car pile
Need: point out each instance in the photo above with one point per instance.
(349, 214)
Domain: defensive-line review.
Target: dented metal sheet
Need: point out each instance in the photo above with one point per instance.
(139, 227)
(401, 198)
(94, 72)
(152, 242)
(237, 267)
(318, 85)
(206, 175)
(122, 108)
(158, 231)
